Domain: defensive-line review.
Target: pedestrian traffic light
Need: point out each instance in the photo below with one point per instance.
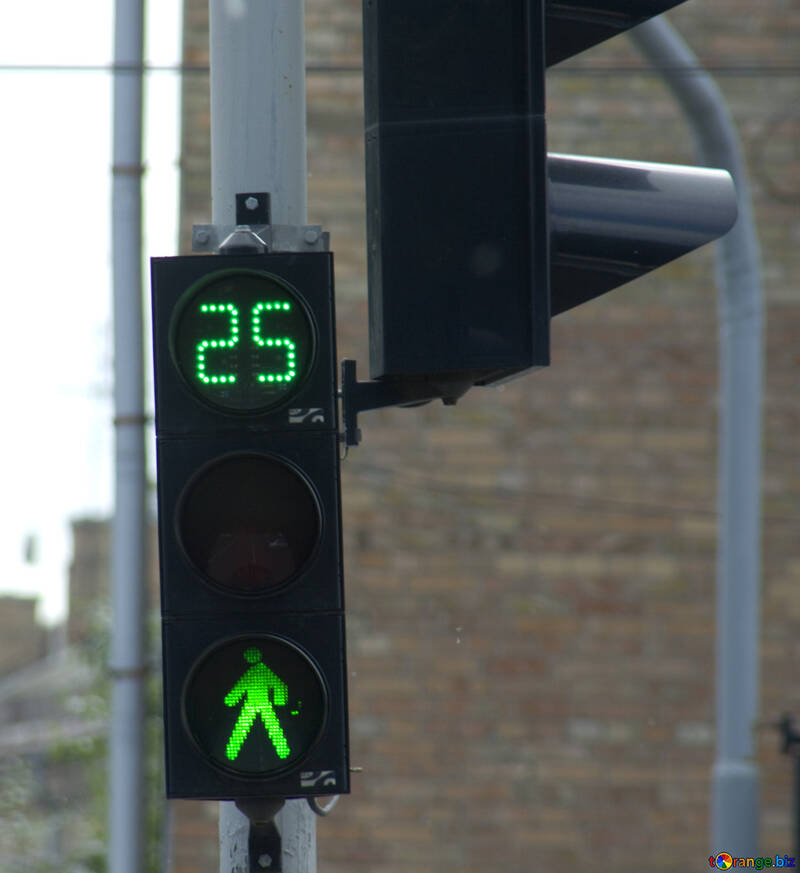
(249, 526)
(476, 236)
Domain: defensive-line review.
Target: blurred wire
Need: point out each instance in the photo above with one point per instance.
(314, 69)
(421, 483)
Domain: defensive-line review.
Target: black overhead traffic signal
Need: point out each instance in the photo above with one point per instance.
(476, 236)
(249, 526)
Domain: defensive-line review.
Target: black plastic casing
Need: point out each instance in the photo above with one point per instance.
(456, 188)
(308, 610)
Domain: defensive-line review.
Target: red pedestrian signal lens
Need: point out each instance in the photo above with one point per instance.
(249, 523)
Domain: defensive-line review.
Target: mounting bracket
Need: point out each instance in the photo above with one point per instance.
(409, 391)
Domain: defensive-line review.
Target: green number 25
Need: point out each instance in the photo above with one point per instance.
(205, 375)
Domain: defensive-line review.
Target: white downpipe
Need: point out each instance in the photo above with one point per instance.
(128, 549)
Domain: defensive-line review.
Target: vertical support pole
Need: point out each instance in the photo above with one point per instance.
(258, 143)
(735, 777)
(126, 659)
(796, 805)
(791, 746)
(258, 106)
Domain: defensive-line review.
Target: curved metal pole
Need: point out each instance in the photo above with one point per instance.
(734, 801)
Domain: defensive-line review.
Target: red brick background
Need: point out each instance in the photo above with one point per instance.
(530, 575)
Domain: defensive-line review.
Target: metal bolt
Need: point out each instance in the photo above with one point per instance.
(202, 237)
(311, 236)
(251, 203)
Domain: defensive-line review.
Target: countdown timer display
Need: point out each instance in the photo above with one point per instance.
(243, 340)
(255, 705)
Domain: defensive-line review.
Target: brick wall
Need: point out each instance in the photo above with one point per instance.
(89, 576)
(530, 575)
(24, 639)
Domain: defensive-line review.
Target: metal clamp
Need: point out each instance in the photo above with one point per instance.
(264, 847)
(254, 231)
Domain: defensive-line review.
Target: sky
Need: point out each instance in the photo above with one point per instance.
(55, 221)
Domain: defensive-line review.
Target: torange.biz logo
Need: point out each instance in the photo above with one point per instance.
(724, 861)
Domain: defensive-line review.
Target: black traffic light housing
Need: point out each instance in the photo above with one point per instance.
(572, 26)
(249, 526)
(476, 236)
(456, 196)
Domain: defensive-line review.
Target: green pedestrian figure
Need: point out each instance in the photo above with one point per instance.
(255, 687)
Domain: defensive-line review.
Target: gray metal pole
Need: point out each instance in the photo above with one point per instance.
(258, 143)
(734, 801)
(127, 665)
(258, 106)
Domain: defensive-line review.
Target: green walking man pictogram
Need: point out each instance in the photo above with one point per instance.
(255, 687)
